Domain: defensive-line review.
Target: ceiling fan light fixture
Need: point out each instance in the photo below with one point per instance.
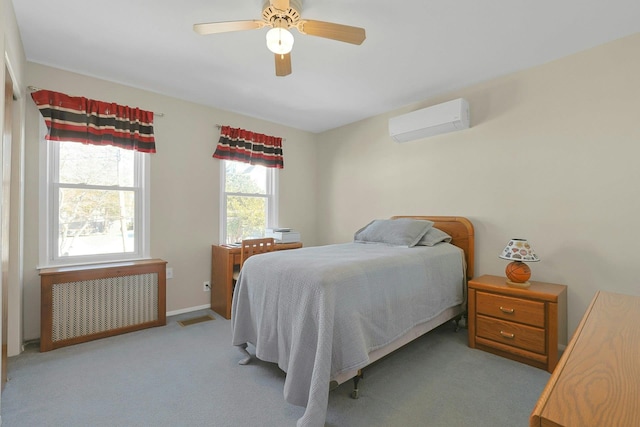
(279, 40)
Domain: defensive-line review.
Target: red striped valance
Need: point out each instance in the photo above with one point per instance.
(249, 147)
(79, 119)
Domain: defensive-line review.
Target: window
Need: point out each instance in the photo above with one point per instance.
(249, 200)
(96, 200)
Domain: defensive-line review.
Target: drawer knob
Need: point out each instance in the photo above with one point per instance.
(507, 335)
(506, 310)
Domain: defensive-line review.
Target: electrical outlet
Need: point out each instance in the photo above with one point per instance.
(206, 286)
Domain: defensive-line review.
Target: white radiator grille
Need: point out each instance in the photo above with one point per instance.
(97, 305)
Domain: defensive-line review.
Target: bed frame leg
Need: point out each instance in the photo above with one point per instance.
(243, 349)
(356, 392)
(460, 322)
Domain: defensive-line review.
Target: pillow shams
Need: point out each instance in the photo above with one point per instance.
(434, 236)
(405, 232)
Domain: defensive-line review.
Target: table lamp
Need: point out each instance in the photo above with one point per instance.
(518, 251)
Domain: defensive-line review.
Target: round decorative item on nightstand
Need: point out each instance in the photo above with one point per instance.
(518, 274)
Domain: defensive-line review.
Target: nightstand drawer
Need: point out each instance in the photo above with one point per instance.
(512, 334)
(512, 309)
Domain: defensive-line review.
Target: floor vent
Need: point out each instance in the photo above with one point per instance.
(195, 320)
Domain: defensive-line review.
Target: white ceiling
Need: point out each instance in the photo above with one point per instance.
(414, 49)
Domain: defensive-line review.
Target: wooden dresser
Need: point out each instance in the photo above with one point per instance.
(520, 324)
(597, 381)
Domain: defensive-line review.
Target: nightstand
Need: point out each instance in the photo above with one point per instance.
(520, 324)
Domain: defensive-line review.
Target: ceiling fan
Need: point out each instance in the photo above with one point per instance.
(281, 15)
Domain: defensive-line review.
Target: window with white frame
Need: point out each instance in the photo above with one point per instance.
(97, 200)
(249, 200)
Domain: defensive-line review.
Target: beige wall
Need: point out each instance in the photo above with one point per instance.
(185, 183)
(552, 156)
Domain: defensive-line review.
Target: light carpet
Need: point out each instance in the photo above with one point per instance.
(189, 376)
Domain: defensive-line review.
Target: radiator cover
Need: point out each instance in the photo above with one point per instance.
(89, 302)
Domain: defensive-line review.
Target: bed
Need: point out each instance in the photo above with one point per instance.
(324, 313)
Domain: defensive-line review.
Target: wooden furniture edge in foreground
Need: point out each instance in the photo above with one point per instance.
(595, 382)
(69, 274)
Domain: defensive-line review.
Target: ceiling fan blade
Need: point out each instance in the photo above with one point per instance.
(329, 30)
(280, 4)
(228, 26)
(283, 64)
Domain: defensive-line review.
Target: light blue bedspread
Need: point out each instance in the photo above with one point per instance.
(320, 311)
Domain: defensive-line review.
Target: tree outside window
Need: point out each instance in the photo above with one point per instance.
(248, 200)
(95, 199)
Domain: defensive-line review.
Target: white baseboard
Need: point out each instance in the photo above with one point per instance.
(188, 310)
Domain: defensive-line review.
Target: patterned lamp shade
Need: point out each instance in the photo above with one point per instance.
(518, 251)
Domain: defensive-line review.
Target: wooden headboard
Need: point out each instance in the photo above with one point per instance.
(461, 231)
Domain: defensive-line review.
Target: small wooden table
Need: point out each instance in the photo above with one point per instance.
(596, 381)
(520, 324)
(223, 260)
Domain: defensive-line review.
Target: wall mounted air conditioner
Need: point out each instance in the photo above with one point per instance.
(446, 117)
